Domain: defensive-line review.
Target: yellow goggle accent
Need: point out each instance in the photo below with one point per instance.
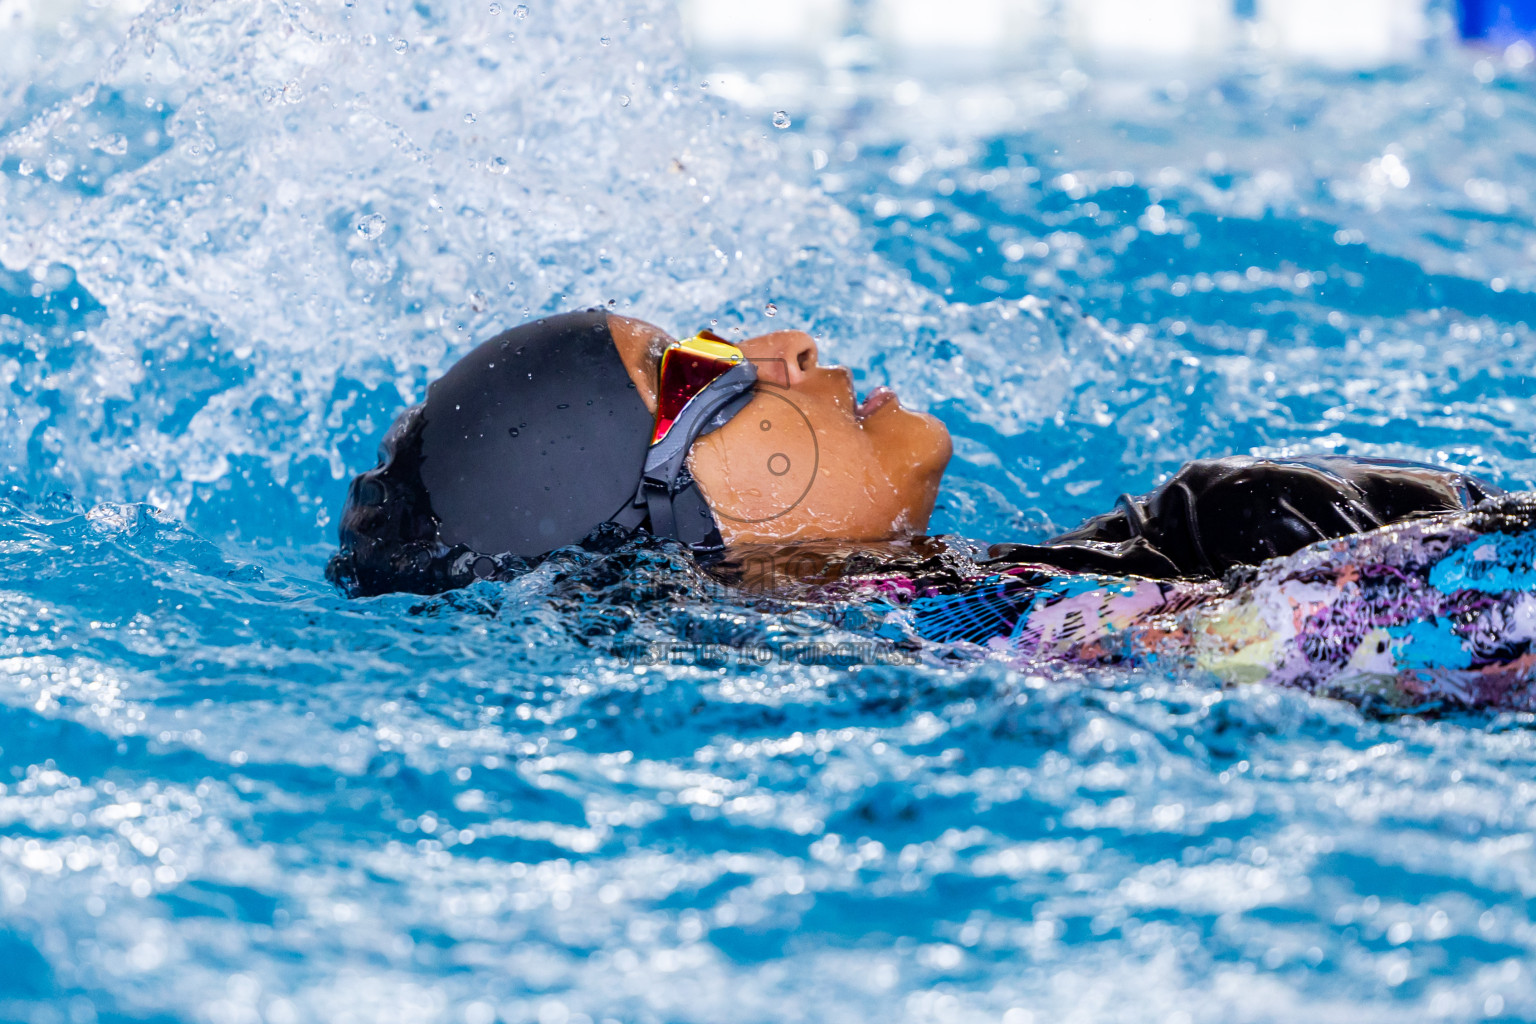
(708, 343)
(688, 367)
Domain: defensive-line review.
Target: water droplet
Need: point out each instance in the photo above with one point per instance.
(623, 101)
(478, 302)
(495, 8)
(469, 118)
(490, 257)
(604, 40)
(401, 45)
(498, 165)
(512, 431)
(372, 226)
(25, 168)
(781, 120)
(115, 144)
(770, 310)
(520, 11)
(56, 167)
(370, 271)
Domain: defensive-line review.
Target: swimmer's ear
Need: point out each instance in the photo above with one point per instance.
(640, 346)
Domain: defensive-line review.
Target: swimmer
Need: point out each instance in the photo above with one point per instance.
(587, 428)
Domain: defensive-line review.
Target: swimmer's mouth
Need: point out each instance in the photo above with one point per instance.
(878, 399)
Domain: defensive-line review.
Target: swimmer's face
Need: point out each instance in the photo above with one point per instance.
(806, 460)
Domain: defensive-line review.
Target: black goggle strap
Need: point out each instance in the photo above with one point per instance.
(668, 496)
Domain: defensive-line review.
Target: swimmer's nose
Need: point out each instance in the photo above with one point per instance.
(782, 357)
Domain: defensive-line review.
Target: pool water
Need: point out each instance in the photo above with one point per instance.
(235, 240)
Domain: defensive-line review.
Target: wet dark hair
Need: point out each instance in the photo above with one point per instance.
(389, 534)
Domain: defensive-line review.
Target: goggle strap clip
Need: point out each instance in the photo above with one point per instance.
(706, 411)
(665, 483)
(658, 504)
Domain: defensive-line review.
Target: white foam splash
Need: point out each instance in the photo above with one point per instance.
(345, 198)
(296, 215)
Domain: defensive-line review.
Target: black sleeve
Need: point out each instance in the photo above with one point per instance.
(1215, 514)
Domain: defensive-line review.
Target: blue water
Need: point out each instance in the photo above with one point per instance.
(235, 240)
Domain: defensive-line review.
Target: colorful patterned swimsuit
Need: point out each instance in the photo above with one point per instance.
(1437, 611)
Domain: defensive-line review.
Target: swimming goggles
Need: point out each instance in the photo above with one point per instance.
(689, 368)
(703, 382)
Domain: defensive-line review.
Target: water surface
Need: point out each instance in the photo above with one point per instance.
(234, 241)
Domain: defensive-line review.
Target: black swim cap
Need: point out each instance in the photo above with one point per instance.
(534, 441)
(533, 438)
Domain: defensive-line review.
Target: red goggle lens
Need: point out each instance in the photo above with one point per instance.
(685, 371)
